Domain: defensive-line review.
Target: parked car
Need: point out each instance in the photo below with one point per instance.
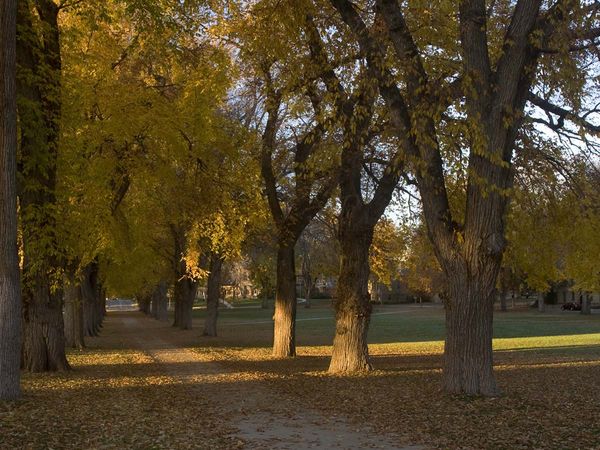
(571, 307)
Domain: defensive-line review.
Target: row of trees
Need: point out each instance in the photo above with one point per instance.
(146, 128)
(446, 103)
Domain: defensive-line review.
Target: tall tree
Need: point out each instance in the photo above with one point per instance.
(39, 88)
(298, 161)
(309, 194)
(10, 291)
(369, 174)
(477, 65)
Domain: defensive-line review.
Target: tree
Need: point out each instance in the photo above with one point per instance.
(487, 62)
(369, 174)
(318, 251)
(261, 248)
(39, 89)
(387, 252)
(581, 226)
(213, 293)
(10, 294)
(141, 161)
(422, 272)
(299, 211)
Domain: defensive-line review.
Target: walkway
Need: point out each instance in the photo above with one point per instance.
(262, 418)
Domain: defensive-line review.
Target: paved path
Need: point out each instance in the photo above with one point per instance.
(264, 418)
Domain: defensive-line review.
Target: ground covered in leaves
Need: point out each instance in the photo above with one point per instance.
(121, 395)
(550, 383)
(114, 398)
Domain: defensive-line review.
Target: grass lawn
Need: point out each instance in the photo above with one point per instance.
(409, 323)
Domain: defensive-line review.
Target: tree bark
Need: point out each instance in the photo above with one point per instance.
(185, 288)
(185, 294)
(353, 308)
(468, 360)
(73, 316)
(284, 329)
(213, 292)
(10, 294)
(43, 334)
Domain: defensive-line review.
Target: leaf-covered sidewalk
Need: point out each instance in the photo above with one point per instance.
(140, 385)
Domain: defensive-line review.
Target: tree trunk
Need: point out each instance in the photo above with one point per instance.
(308, 288)
(73, 316)
(586, 304)
(161, 302)
(468, 360)
(284, 330)
(213, 291)
(144, 303)
(10, 294)
(100, 303)
(353, 308)
(154, 304)
(185, 294)
(90, 300)
(43, 334)
(541, 303)
(503, 305)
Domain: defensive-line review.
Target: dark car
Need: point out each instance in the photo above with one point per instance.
(571, 307)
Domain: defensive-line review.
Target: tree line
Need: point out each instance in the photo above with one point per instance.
(145, 144)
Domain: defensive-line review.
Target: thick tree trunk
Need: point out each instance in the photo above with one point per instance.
(185, 294)
(73, 316)
(43, 334)
(353, 308)
(468, 360)
(10, 294)
(213, 291)
(284, 329)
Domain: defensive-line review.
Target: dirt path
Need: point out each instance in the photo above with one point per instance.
(264, 418)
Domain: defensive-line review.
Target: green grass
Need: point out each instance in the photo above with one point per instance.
(392, 324)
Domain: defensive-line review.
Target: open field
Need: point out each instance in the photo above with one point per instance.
(224, 392)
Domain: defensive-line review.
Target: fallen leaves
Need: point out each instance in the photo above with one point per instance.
(119, 397)
(113, 399)
(550, 399)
